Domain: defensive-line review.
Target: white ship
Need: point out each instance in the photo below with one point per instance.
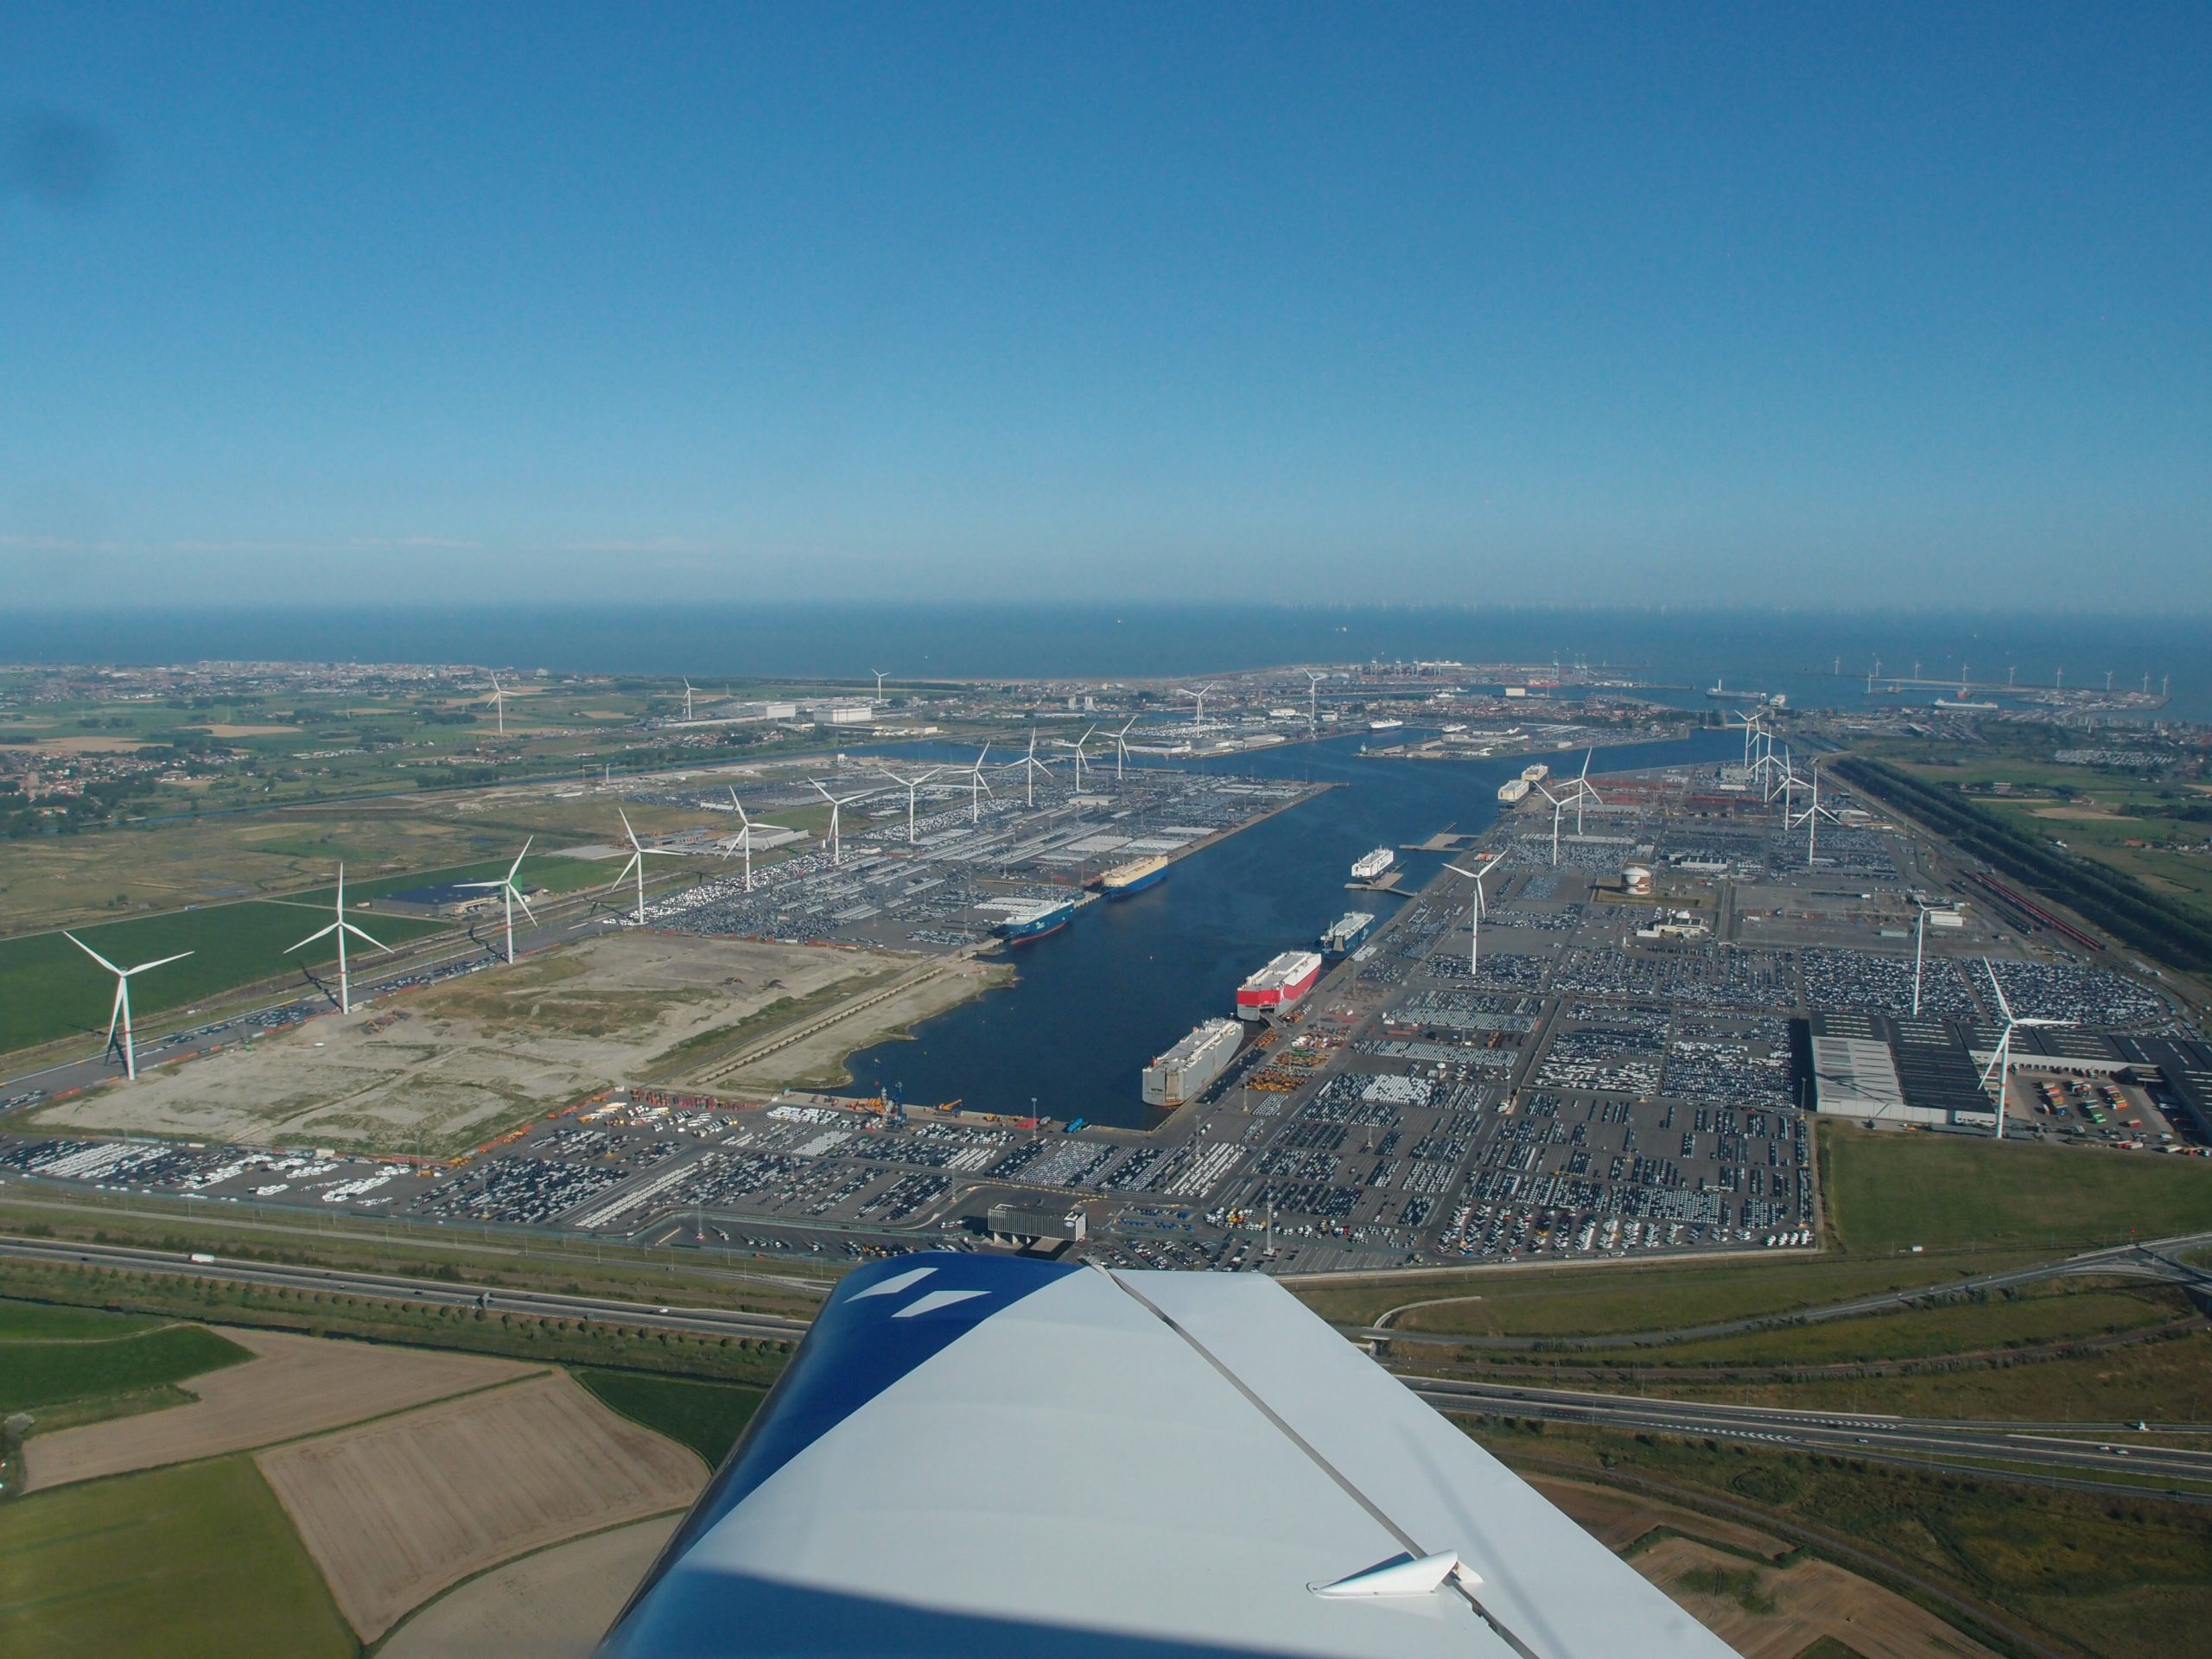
(1367, 868)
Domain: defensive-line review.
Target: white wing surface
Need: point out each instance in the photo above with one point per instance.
(987, 1456)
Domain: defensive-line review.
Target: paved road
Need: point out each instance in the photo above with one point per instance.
(2157, 1258)
(1966, 1448)
(605, 1310)
(2039, 1445)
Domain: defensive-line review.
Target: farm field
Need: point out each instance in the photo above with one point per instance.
(288, 1386)
(469, 1057)
(197, 1563)
(706, 1416)
(553, 1604)
(397, 1509)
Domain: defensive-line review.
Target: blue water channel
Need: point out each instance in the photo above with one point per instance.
(1095, 1002)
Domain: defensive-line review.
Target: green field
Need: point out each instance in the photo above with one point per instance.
(1888, 1192)
(1608, 1301)
(541, 869)
(36, 1372)
(196, 1562)
(2055, 1311)
(49, 989)
(49, 1322)
(706, 1416)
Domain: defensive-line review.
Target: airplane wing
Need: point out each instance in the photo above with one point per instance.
(999, 1456)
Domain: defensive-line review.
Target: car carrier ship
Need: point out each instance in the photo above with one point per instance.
(1134, 877)
(1279, 986)
(1346, 933)
(1034, 919)
(1183, 1072)
(1367, 868)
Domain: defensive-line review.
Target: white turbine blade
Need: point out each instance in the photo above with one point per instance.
(516, 866)
(526, 910)
(636, 858)
(363, 933)
(1456, 870)
(159, 962)
(311, 938)
(479, 884)
(822, 793)
(115, 1013)
(89, 951)
(627, 830)
(1987, 968)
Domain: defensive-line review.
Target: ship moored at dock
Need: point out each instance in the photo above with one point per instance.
(1373, 864)
(1033, 919)
(1279, 986)
(1183, 1072)
(1512, 789)
(1346, 933)
(1134, 877)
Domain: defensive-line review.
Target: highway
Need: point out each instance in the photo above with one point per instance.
(1964, 1446)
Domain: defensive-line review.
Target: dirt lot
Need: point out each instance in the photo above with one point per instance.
(1798, 1605)
(554, 1605)
(469, 1057)
(396, 1510)
(817, 1061)
(1616, 1519)
(296, 1385)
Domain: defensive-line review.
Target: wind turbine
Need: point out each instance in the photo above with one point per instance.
(977, 788)
(2001, 1061)
(638, 854)
(1751, 726)
(1080, 756)
(1811, 816)
(120, 1015)
(910, 784)
(1198, 714)
(341, 927)
(743, 837)
(1122, 747)
(508, 891)
(499, 704)
(836, 846)
(687, 696)
(1919, 946)
(1474, 915)
(1314, 701)
(1031, 765)
(1559, 806)
(879, 683)
(1583, 792)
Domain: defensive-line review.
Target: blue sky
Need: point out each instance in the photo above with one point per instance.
(1843, 305)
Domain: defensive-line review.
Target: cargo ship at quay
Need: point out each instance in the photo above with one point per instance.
(1125, 880)
(1185, 1070)
(1033, 919)
(1278, 986)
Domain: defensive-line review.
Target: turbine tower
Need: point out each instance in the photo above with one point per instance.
(1475, 914)
(1558, 805)
(341, 927)
(977, 788)
(1031, 765)
(509, 891)
(1314, 701)
(2001, 1061)
(638, 854)
(910, 785)
(1078, 746)
(499, 704)
(837, 807)
(879, 683)
(120, 1016)
(687, 697)
(1810, 816)
(743, 837)
(1122, 747)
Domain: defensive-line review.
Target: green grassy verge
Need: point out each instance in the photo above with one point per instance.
(196, 1562)
(2118, 1577)
(325, 1313)
(35, 1321)
(1568, 1303)
(1886, 1192)
(35, 1373)
(2054, 1312)
(706, 1416)
(49, 989)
